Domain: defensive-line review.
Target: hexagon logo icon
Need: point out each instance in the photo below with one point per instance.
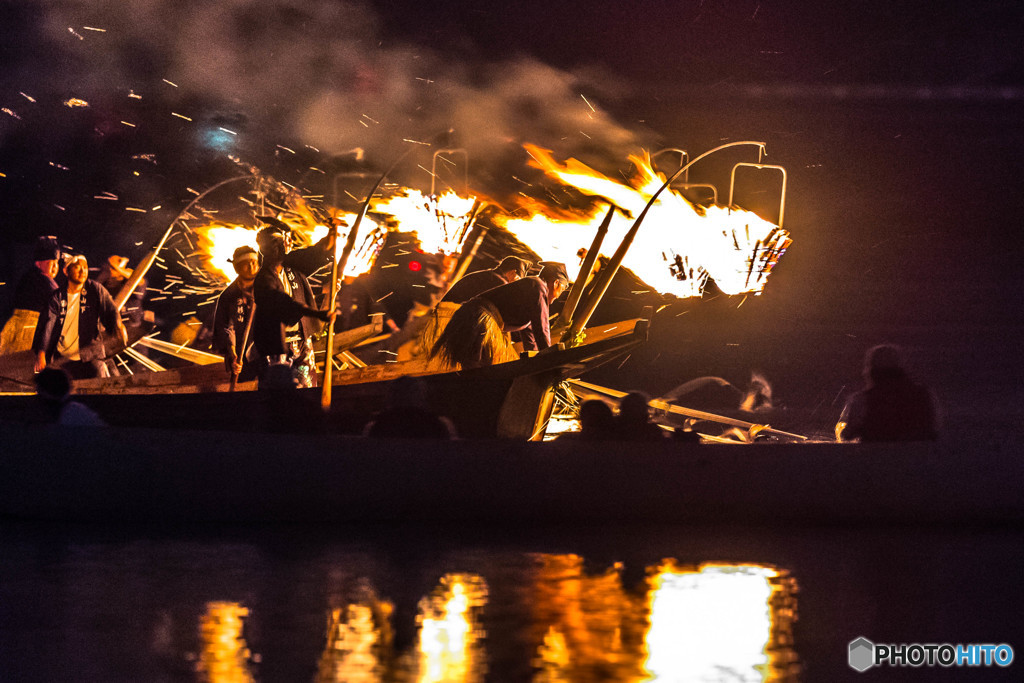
(862, 654)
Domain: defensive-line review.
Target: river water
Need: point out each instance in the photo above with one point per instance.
(411, 603)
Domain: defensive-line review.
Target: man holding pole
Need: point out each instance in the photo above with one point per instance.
(287, 316)
(232, 321)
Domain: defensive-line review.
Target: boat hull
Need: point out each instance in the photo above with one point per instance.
(160, 476)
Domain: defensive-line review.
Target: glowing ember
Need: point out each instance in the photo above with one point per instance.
(678, 247)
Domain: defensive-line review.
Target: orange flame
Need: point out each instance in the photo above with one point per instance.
(441, 224)
(677, 248)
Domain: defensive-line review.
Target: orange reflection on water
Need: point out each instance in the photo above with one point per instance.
(224, 657)
(451, 638)
(589, 627)
(728, 622)
(358, 641)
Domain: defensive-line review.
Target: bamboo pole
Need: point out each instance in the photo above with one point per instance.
(605, 278)
(245, 342)
(339, 266)
(569, 309)
(147, 262)
(464, 264)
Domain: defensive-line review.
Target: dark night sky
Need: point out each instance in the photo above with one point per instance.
(899, 123)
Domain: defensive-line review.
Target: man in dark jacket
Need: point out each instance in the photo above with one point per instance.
(287, 316)
(469, 285)
(69, 327)
(892, 407)
(31, 295)
(477, 332)
(232, 319)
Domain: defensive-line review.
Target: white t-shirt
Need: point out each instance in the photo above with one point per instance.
(67, 345)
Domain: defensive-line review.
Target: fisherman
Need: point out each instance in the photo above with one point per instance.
(509, 270)
(232, 319)
(69, 327)
(477, 334)
(892, 407)
(286, 312)
(31, 295)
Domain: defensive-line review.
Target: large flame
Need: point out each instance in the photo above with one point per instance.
(677, 249)
(441, 224)
(678, 246)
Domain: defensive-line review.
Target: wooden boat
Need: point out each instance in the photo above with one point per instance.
(508, 400)
(126, 475)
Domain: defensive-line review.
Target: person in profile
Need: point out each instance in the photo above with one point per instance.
(892, 407)
(31, 295)
(53, 387)
(633, 423)
(510, 269)
(407, 416)
(597, 422)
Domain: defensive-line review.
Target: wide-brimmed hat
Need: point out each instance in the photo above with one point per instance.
(119, 266)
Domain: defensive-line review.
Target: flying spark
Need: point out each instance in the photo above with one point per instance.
(588, 103)
(175, 85)
(75, 102)
(180, 116)
(27, 97)
(75, 33)
(92, 28)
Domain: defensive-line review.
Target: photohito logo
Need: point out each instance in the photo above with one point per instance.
(863, 654)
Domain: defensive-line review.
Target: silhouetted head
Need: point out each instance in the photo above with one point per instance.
(53, 384)
(883, 362)
(633, 408)
(595, 417)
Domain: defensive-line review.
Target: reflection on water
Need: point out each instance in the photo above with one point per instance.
(409, 605)
(721, 622)
(707, 623)
(224, 656)
(358, 639)
(450, 634)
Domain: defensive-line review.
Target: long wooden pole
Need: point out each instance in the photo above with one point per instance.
(147, 262)
(569, 309)
(339, 267)
(605, 278)
(245, 342)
